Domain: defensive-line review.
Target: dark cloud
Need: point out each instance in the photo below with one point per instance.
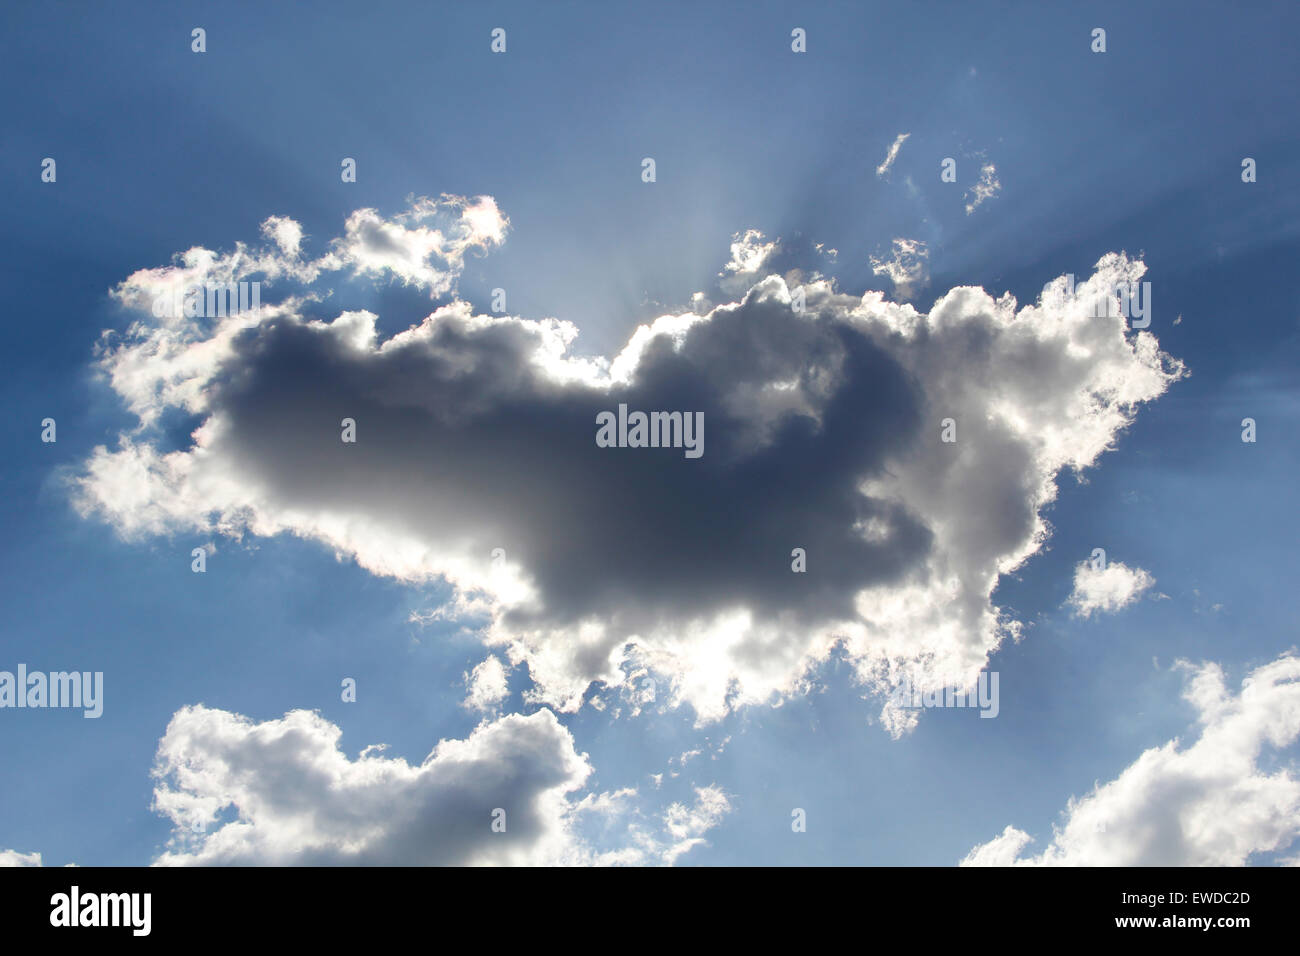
(461, 436)
(475, 433)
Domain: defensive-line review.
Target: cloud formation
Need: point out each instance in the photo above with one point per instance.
(488, 684)
(14, 858)
(477, 433)
(986, 187)
(1106, 589)
(892, 154)
(907, 268)
(282, 793)
(751, 259)
(1210, 804)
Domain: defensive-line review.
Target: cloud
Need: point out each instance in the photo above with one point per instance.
(477, 433)
(986, 187)
(750, 257)
(688, 824)
(424, 246)
(892, 154)
(286, 234)
(1210, 804)
(1108, 588)
(488, 684)
(907, 268)
(281, 792)
(14, 858)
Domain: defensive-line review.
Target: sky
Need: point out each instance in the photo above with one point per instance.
(875, 254)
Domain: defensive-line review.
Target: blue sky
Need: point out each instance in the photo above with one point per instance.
(1137, 149)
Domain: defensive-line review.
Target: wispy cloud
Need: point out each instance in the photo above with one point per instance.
(892, 154)
(907, 267)
(985, 188)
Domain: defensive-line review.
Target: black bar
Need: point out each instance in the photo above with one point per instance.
(970, 906)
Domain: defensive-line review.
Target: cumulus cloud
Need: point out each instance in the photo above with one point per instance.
(424, 246)
(986, 187)
(907, 268)
(1106, 588)
(477, 433)
(281, 792)
(892, 154)
(1210, 804)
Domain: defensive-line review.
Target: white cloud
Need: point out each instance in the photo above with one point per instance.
(892, 154)
(1210, 804)
(749, 259)
(14, 858)
(281, 792)
(701, 304)
(985, 188)
(286, 233)
(163, 361)
(824, 423)
(1106, 589)
(424, 246)
(907, 268)
(488, 685)
(687, 825)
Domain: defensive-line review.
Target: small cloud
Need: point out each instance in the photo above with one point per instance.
(987, 187)
(1108, 589)
(687, 755)
(14, 858)
(750, 256)
(686, 825)
(892, 154)
(488, 685)
(286, 234)
(907, 268)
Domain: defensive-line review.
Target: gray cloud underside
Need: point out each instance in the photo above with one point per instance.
(822, 432)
